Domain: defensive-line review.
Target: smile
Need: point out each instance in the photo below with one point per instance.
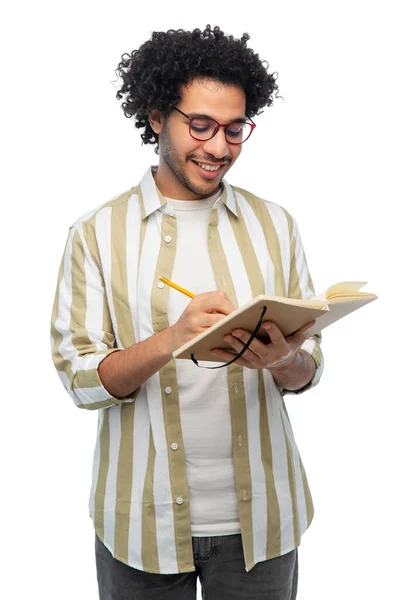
(209, 172)
(208, 167)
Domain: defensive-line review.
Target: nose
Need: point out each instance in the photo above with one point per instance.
(217, 145)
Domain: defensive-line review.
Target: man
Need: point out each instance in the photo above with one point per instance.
(196, 471)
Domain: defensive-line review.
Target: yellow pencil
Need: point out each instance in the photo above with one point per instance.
(177, 287)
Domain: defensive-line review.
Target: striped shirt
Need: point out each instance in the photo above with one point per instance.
(108, 299)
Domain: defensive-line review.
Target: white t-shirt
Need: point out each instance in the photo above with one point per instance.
(203, 395)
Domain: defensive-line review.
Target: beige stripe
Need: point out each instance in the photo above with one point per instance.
(307, 493)
(150, 560)
(119, 276)
(260, 209)
(309, 501)
(317, 352)
(139, 192)
(236, 399)
(247, 251)
(143, 224)
(104, 436)
(80, 339)
(119, 284)
(294, 290)
(171, 410)
(290, 221)
(273, 512)
(124, 482)
(90, 378)
(292, 486)
(256, 280)
(101, 404)
(60, 363)
(89, 232)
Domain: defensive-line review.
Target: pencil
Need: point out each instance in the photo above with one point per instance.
(176, 287)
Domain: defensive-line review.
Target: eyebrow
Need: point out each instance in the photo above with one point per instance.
(195, 114)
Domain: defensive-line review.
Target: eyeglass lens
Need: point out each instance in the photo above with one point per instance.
(204, 129)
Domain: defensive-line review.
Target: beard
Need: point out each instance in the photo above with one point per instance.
(170, 157)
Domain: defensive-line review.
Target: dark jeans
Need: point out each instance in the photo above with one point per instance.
(219, 563)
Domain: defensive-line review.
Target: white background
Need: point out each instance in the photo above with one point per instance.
(328, 153)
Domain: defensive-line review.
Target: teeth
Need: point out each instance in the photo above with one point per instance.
(208, 167)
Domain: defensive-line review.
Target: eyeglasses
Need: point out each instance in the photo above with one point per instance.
(204, 128)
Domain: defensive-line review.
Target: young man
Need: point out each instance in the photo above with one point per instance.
(196, 471)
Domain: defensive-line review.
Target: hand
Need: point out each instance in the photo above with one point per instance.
(279, 354)
(202, 311)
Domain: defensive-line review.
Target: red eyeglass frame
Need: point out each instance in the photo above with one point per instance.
(252, 125)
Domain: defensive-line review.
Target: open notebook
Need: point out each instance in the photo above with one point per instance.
(289, 314)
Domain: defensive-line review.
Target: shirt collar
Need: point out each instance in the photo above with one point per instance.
(152, 199)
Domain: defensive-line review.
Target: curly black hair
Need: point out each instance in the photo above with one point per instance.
(153, 75)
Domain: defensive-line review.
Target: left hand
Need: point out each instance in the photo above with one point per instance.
(277, 355)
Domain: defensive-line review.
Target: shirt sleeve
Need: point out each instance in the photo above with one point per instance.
(81, 327)
(301, 286)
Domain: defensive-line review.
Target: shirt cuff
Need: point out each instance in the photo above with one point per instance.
(308, 346)
(88, 389)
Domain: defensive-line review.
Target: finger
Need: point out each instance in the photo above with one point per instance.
(217, 301)
(274, 332)
(257, 347)
(226, 356)
(305, 329)
(238, 344)
(308, 326)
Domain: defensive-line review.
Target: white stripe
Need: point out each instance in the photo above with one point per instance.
(103, 234)
(133, 223)
(234, 259)
(281, 225)
(89, 214)
(300, 494)
(65, 381)
(111, 484)
(279, 460)
(230, 197)
(258, 483)
(66, 348)
(91, 361)
(96, 463)
(301, 265)
(309, 346)
(141, 436)
(149, 192)
(94, 297)
(306, 292)
(259, 243)
(91, 395)
(147, 272)
(162, 485)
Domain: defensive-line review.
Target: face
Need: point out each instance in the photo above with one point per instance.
(179, 174)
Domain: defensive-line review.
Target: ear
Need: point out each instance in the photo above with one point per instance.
(156, 120)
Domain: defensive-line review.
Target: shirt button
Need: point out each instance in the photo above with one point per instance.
(179, 500)
(168, 390)
(174, 446)
(160, 285)
(168, 238)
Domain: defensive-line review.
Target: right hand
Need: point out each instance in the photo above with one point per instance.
(202, 311)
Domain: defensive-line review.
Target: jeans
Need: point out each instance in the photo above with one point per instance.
(219, 564)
